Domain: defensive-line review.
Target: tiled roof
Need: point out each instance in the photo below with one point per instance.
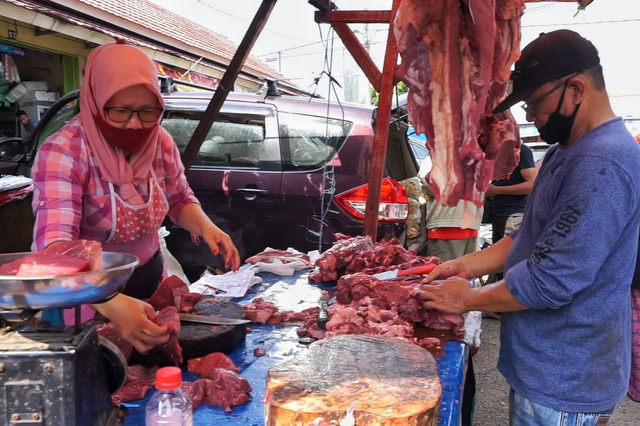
(162, 21)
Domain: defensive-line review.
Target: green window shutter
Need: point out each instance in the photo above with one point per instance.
(71, 73)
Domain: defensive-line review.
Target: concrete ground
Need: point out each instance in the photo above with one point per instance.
(492, 405)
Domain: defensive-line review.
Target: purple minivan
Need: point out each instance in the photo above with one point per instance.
(276, 172)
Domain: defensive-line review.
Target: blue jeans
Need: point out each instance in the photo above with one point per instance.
(523, 412)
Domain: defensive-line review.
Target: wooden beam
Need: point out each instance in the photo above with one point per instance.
(323, 4)
(381, 131)
(359, 53)
(227, 82)
(354, 16)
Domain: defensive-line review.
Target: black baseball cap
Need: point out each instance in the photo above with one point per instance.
(551, 56)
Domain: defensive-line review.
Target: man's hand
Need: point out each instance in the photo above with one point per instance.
(134, 320)
(452, 268)
(492, 190)
(219, 242)
(448, 296)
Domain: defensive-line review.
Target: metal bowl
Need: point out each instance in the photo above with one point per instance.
(68, 290)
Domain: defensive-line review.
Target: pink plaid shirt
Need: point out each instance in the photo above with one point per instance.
(71, 198)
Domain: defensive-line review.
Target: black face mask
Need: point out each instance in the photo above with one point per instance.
(558, 126)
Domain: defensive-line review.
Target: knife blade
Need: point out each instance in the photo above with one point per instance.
(204, 319)
(396, 273)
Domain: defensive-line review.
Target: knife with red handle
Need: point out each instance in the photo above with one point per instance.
(397, 273)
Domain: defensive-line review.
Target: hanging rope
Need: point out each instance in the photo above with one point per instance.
(331, 146)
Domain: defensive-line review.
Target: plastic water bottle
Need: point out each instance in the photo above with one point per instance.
(170, 406)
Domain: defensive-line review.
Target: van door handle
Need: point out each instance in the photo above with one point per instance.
(251, 194)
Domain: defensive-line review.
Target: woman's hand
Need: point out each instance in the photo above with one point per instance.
(134, 319)
(220, 243)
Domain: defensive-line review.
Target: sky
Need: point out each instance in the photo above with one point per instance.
(301, 49)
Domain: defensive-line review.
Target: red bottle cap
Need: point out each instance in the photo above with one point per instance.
(168, 378)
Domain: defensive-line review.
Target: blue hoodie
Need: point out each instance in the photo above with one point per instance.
(571, 263)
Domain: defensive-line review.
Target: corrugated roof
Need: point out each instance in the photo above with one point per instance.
(162, 21)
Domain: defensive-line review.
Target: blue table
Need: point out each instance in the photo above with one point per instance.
(281, 343)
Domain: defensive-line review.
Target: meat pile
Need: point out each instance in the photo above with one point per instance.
(349, 255)
(261, 312)
(366, 305)
(138, 382)
(220, 385)
(284, 256)
(174, 292)
(61, 258)
(456, 59)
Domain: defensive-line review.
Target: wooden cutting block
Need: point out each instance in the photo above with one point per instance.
(377, 380)
(197, 340)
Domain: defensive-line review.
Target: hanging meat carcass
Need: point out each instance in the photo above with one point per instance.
(456, 57)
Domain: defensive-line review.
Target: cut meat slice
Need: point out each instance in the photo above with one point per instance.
(82, 249)
(170, 317)
(163, 296)
(226, 389)
(206, 364)
(61, 258)
(43, 264)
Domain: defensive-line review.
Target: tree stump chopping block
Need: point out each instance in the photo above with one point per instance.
(377, 380)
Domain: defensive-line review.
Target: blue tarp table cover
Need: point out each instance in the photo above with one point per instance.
(281, 343)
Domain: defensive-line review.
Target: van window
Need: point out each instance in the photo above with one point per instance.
(307, 142)
(234, 141)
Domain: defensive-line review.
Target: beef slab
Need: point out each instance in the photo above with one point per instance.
(456, 59)
(138, 382)
(62, 258)
(226, 389)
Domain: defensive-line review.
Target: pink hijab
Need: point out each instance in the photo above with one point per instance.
(110, 69)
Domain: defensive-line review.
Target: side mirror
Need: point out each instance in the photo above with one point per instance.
(12, 150)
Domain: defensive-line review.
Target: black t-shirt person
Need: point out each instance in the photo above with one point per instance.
(510, 205)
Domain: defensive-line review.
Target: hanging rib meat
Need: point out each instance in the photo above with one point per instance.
(447, 56)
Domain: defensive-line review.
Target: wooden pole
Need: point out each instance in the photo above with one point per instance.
(227, 82)
(381, 130)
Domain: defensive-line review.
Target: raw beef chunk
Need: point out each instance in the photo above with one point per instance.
(195, 391)
(109, 332)
(226, 389)
(138, 382)
(170, 317)
(163, 296)
(206, 364)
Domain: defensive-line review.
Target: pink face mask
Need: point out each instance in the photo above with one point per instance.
(128, 140)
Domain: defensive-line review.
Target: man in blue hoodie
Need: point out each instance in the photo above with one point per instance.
(565, 298)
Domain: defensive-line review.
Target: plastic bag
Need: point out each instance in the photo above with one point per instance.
(171, 265)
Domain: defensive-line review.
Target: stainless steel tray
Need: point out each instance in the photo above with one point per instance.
(68, 290)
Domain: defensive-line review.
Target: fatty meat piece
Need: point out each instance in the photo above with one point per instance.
(90, 251)
(43, 264)
(204, 365)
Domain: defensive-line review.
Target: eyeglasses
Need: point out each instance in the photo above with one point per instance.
(122, 115)
(529, 107)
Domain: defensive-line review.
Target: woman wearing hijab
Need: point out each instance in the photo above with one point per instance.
(111, 175)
